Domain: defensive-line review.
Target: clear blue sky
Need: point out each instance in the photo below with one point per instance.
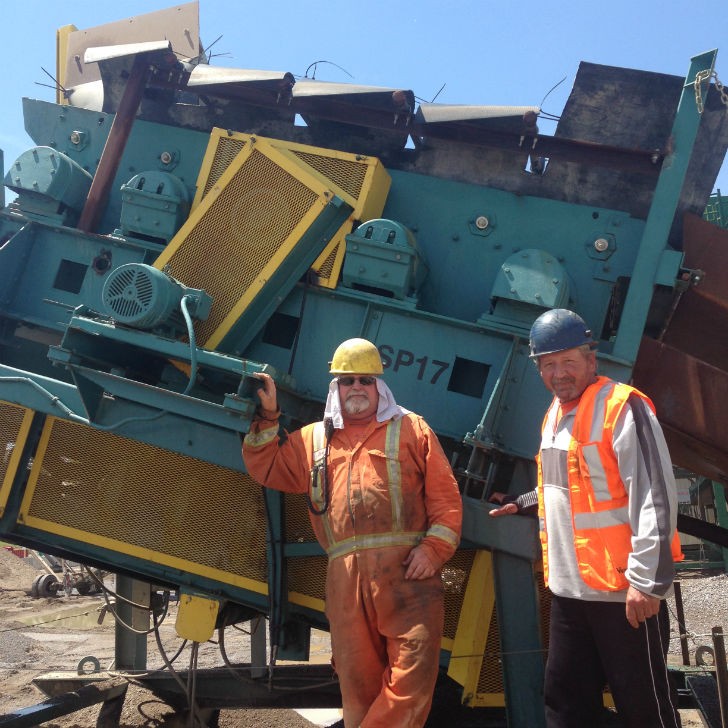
(483, 52)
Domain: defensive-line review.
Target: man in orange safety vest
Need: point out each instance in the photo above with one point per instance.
(607, 506)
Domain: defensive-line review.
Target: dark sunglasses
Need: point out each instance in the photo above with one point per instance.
(364, 381)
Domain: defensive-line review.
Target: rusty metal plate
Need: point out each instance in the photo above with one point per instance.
(699, 325)
(690, 396)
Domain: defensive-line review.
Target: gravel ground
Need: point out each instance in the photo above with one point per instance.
(705, 603)
(69, 631)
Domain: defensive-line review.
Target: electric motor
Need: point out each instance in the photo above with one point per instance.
(143, 297)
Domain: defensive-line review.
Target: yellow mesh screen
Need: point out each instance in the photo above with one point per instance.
(298, 527)
(491, 676)
(226, 150)
(11, 417)
(347, 174)
(238, 235)
(544, 602)
(14, 425)
(307, 575)
(325, 269)
(104, 485)
(454, 579)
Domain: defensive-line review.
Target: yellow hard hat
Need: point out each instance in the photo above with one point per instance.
(356, 356)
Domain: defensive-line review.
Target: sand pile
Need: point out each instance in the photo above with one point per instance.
(16, 573)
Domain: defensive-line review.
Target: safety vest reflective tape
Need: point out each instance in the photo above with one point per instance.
(599, 500)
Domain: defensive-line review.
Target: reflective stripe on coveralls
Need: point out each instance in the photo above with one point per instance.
(385, 630)
(374, 691)
(396, 537)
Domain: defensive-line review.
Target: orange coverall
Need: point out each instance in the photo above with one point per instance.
(385, 499)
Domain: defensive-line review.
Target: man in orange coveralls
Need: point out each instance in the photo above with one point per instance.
(385, 506)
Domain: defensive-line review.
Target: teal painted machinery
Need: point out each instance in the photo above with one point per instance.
(162, 250)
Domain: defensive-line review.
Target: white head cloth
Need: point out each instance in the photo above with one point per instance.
(387, 408)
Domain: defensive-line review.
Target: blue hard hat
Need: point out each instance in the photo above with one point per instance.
(557, 330)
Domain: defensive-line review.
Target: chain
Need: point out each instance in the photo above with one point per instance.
(701, 76)
(721, 90)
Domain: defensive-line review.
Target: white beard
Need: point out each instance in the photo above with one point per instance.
(356, 404)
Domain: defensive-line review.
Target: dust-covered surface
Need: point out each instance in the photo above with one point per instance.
(40, 635)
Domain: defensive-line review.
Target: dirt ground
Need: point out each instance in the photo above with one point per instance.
(41, 635)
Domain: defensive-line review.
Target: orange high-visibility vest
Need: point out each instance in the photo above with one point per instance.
(602, 532)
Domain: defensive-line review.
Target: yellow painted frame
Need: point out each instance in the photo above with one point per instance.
(338, 245)
(368, 205)
(296, 170)
(14, 460)
(374, 189)
(208, 161)
(471, 635)
(304, 600)
(112, 544)
(62, 35)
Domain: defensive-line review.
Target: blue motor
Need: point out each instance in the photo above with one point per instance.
(143, 297)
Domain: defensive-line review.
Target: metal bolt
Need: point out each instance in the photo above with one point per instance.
(601, 244)
(75, 137)
(166, 157)
(481, 222)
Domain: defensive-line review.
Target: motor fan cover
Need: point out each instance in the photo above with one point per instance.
(141, 296)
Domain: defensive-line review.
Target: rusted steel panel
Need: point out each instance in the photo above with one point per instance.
(686, 372)
(691, 398)
(700, 323)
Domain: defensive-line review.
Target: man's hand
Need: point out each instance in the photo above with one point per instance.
(267, 393)
(640, 606)
(508, 509)
(418, 564)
